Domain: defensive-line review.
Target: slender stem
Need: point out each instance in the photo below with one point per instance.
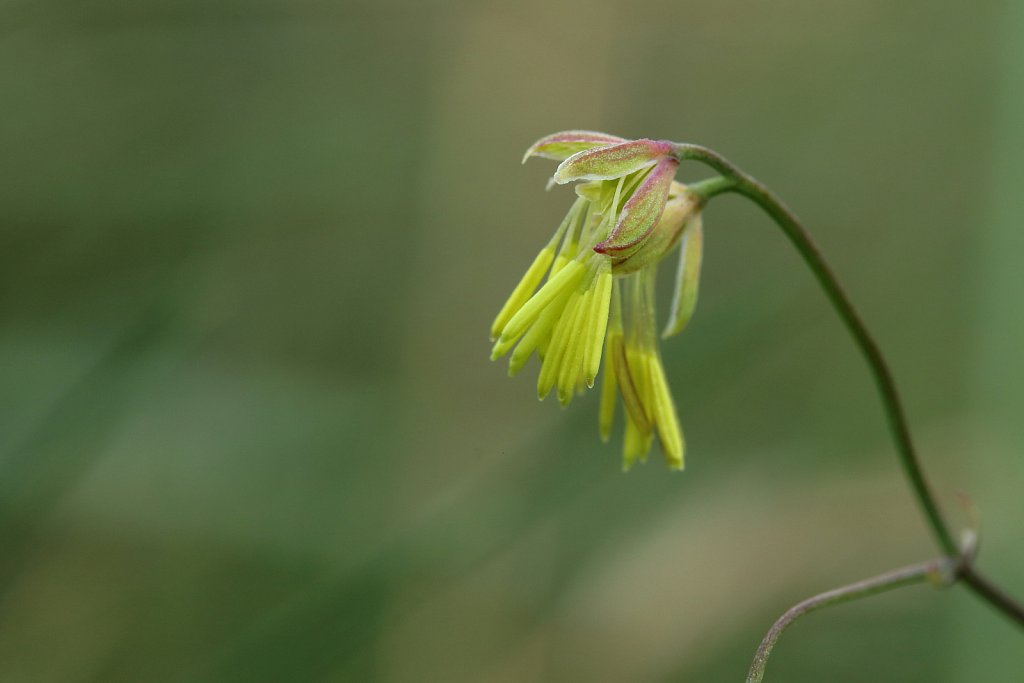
(879, 368)
(801, 239)
(749, 187)
(995, 596)
(906, 576)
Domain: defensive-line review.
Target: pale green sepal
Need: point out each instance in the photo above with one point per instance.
(684, 301)
(611, 162)
(561, 146)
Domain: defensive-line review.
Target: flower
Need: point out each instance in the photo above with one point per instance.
(590, 291)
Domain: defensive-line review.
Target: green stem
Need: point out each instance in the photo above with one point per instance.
(879, 368)
(741, 183)
(991, 593)
(755, 191)
(906, 576)
(708, 188)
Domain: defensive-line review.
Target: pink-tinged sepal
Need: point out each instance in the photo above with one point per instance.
(643, 210)
(561, 146)
(611, 161)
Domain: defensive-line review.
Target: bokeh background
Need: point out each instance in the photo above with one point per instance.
(249, 254)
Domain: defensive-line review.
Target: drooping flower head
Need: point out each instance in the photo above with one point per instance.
(589, 293)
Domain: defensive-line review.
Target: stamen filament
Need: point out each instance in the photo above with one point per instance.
(669, 432)
(599, 322)
(556, 351)
(569, 276)
(538, 336)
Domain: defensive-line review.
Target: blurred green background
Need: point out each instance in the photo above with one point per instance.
(249, 254)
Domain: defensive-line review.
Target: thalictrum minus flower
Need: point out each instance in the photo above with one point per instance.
(588, 297)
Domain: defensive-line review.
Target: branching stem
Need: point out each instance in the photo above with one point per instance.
(737, 181)
(906, 576)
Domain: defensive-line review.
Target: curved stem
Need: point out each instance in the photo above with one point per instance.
(787, 220)
(879, 368)
(906, 576)
(749, 187)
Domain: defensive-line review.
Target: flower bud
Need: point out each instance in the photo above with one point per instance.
(587, 300)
